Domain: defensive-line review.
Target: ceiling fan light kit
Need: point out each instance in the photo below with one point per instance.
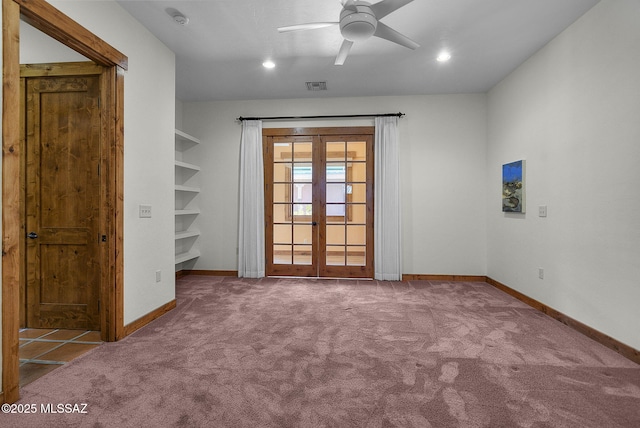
(358, 26)
(359, 20)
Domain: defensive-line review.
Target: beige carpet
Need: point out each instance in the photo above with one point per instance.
(334, 353)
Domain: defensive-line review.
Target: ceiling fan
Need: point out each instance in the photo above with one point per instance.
(360, 20)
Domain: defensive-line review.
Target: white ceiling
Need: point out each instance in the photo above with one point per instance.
(219, 54)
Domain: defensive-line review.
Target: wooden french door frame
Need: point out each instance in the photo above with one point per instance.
(303, 270)
(49, 20)
(319, 138)
(350, 268)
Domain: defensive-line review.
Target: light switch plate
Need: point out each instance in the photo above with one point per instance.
(542, 211)
(145, 211)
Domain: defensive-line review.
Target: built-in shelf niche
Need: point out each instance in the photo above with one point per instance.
(186, 191)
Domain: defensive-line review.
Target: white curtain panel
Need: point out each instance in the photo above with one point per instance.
(251, 221)
(387, 241)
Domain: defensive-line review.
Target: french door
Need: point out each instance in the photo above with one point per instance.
(319, 202)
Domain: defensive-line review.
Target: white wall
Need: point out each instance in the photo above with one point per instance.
(37, 47)
(179, 109)
(443, 149)
(572, 111)
(149, 150)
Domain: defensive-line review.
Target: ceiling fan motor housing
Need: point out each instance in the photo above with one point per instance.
(359, 24)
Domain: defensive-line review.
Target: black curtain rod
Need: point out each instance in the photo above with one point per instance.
(343, 116)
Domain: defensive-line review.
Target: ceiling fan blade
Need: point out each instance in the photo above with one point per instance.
(385, 32)
(385, 7)
(309, 26)
(344, 51)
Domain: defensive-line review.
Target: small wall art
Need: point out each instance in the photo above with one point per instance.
(513, 187)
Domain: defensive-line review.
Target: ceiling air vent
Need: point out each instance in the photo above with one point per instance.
(316, 86)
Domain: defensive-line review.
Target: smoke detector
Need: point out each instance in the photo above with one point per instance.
(177, 16)
(181, 19)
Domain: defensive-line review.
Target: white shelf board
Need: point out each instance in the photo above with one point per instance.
(186, 165)
(187, 212)
(187, 234)
(186, 137)
(182, 188)
(189, 255)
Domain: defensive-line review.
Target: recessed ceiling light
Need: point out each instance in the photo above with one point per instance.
(443, 56)
(268, 64)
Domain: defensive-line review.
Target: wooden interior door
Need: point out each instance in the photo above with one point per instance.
(319, 202)
(62, 124)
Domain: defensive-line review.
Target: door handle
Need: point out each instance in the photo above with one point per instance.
(32, 235)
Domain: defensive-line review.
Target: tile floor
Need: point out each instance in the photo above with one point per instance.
(44, 350)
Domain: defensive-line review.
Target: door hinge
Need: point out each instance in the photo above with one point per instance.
(99, 102)
(98, 169)
(98, 305)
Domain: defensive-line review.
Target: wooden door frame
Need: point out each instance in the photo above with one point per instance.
(269, 133)
(49, 20)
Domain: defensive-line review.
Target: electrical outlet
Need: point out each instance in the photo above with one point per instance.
(541, 273)
(542, 211)
(158, 276)
(145, 211)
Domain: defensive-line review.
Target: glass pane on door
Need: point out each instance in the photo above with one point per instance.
(302, 255)
(282, 254)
